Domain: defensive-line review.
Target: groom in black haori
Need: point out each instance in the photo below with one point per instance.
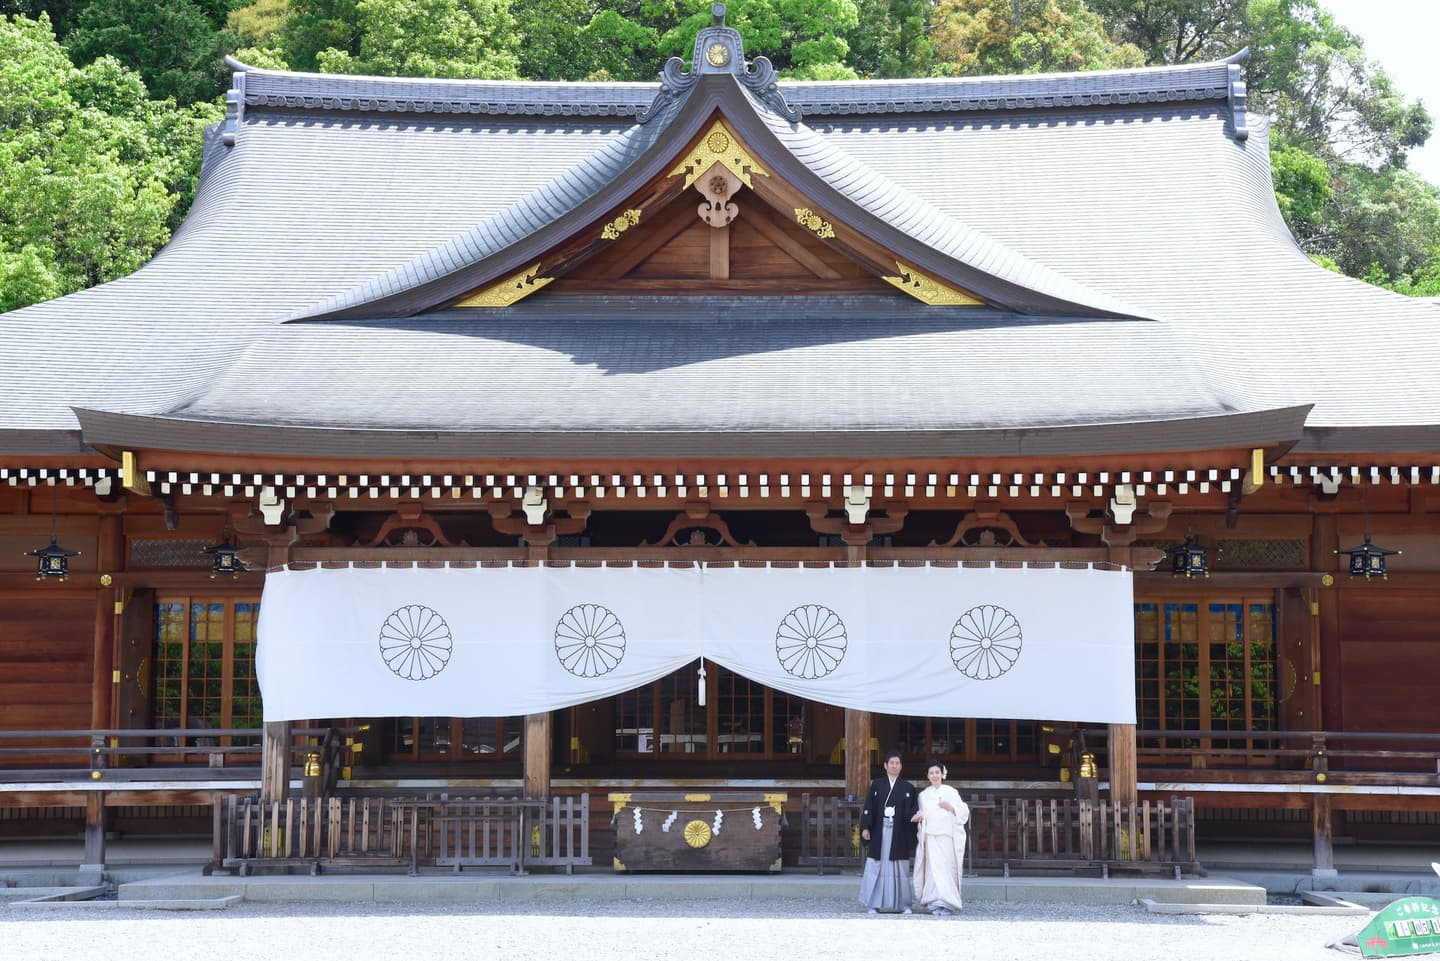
(887, 827)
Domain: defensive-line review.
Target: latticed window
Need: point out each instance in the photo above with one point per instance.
(972, 739)
(204, 664)
(454, 738)
(1206, 665)
(740, 716)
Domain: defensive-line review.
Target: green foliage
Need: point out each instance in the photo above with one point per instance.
(1177, 31)
(1023, 36)
(316, 26)
(805, 39)
(1302, 188)
(890, 39)
(96, 174)
(172, 44)
(429, 38)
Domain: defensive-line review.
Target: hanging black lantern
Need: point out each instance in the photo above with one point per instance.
(52, 561)
(224, 559)
(1190, 559)
(1367, 560)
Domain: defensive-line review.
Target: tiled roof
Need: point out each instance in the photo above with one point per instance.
(1127, 193)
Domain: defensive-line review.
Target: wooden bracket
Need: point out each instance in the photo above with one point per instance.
(409, 518)
(507, 520)
(857, 535)
(1154, 520)
(696, 517)
(988, 519)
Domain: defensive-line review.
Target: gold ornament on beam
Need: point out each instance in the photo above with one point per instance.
(508, 291)
(620, 224)
(929, 291)
(698, 834)
(718, 145)
(813, 222)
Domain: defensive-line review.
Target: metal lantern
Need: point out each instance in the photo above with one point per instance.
(1367, 560)
(224, 559)
(1190, 559)
(52, 561)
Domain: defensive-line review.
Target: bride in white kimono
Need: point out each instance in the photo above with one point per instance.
(940, 853)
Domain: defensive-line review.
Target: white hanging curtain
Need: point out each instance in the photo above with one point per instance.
(920, 641)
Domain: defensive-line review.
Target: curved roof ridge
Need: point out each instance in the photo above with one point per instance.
(885, 200)
(542, 206)
(964, 255)
(262, 87)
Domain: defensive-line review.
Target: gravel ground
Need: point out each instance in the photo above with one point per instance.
(792, 929)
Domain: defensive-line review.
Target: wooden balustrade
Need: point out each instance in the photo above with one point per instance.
(313, 833)
(1031, 833)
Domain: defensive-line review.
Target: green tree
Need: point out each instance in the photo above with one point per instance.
(171, 43)
(1023, 36)
(891, 39)
(315, 26)
(96, 174)
(430, 38)
(805, 39)
(1178, 31)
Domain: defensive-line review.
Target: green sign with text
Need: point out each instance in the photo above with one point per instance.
(1407, 927)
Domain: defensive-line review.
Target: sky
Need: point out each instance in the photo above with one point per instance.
(1401, 35)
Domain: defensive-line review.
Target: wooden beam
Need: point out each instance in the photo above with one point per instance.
(857, 753)
(1324, 843)
(110, 550)
(760, 220)
(720, 253)
(1124, 772)
(275, 761)
(1324, 540)
(538, 747)
(95, 818)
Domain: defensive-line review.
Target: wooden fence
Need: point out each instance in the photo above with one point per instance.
(314, 833)
(1031, 833)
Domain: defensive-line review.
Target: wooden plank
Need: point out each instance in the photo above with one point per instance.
(720, 253)
(792, 249)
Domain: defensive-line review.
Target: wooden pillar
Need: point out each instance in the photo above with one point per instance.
(275, 761)
(857, 752)
(95, 824)
(110, 551)
(1324, 846)
(1124, 775)
(537, 755)
(1324, 539)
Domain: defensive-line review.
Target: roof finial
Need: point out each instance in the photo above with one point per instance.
(719, 50)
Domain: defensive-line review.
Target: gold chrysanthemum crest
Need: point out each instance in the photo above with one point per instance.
(620, 224)
(720, 146)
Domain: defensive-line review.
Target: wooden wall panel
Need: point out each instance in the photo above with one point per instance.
(1389, 659)
(685, 257)
(46, 659)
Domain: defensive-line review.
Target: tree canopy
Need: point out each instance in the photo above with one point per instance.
(101, 100)
(97, 175)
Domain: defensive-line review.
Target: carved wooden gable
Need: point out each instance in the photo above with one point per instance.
(717, 221)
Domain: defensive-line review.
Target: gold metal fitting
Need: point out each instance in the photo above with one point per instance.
(312, 764)
(1320, 776)
(1087, 765)
(95, 775)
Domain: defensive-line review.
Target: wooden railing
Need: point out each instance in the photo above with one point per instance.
(87, 751)
(1365, 756)
(313, 833)
(1010, 832)
(1037, 833)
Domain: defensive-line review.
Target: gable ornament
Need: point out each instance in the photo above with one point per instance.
(929, 291)
(509, 290)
